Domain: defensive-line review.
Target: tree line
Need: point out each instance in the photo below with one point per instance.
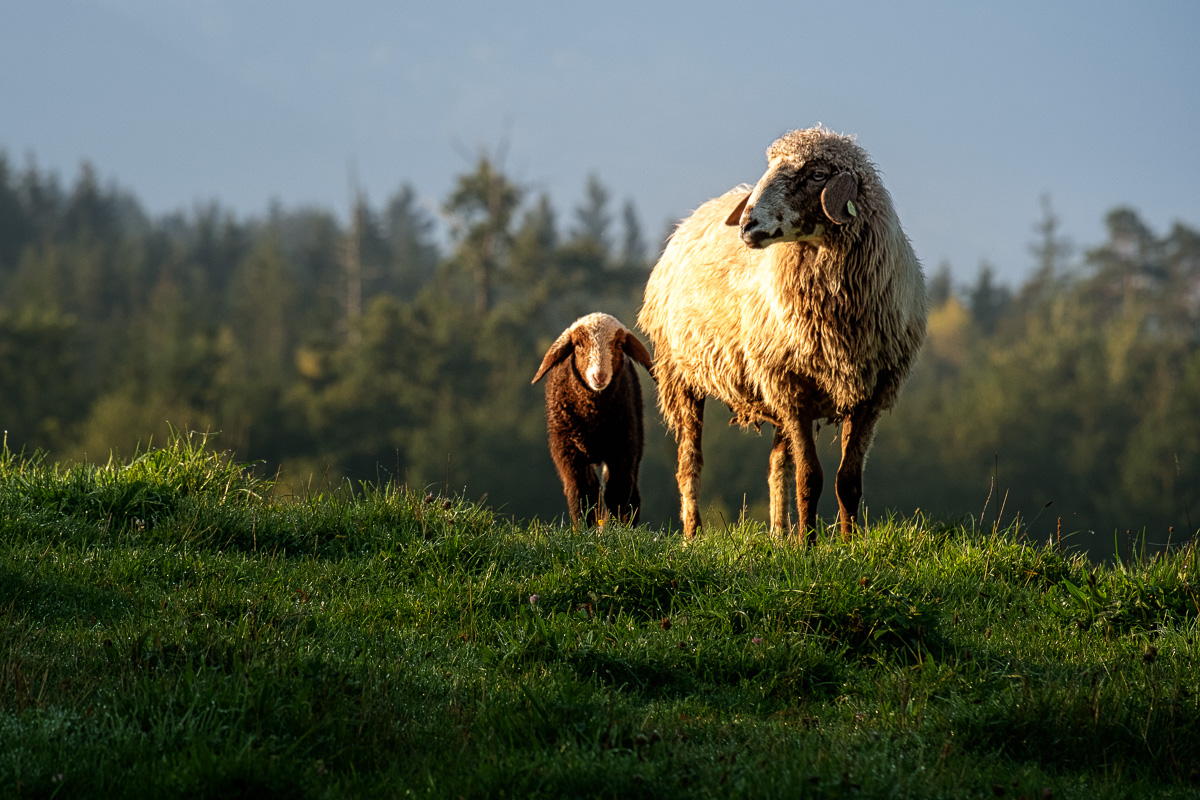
(324, 350)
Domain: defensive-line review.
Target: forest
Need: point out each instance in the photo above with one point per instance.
(330, 353)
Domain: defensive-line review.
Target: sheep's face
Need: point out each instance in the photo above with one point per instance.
(599, 341)
(598, 344)
(796, 203)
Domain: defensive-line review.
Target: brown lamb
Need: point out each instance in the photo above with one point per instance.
(594, 416)
(794, 301)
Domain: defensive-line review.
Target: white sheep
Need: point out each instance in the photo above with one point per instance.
(795, 301)
(594, 416)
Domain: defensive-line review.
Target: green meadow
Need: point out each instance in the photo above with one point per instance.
(173, 626)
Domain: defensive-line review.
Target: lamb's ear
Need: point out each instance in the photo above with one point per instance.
(562, 347)
(735, 216)
(838, 196)
(638, 352)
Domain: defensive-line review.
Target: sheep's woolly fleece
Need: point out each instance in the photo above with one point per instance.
(839, 151)
(745, 325)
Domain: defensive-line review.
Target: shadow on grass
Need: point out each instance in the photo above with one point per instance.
(55, 602)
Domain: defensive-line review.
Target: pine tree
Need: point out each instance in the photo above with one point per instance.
(482, 206)
(633, 249)
(593, 219)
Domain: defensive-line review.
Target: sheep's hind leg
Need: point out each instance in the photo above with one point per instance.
(809, 478)
(777, 481)
(857, 431)
(691, 460)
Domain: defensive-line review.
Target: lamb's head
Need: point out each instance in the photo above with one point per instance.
(809, 192)
(598, 344)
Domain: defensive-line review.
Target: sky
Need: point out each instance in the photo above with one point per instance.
(973, 112)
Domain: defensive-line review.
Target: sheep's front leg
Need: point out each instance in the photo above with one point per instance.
(580, 485)
(777, 481)
(858, 429)
(809, 478)
(621, 496)
(691, 460)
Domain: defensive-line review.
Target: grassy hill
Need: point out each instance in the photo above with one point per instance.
(170, 628)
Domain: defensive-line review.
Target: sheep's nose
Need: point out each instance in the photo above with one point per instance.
(597, 378)
(752, 234)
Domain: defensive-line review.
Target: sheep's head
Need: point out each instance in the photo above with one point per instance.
(598, 343)
(809, 190)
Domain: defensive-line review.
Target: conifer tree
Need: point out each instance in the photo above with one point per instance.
(481, 208)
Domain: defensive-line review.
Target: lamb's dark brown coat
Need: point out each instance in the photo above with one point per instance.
(594, 416)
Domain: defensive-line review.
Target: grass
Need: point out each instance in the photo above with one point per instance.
(169, 628)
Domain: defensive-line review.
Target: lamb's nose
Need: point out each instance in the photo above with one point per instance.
(597, 379)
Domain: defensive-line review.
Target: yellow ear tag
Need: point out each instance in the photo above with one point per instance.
(851, 209)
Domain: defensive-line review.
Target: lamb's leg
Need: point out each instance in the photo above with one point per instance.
(777, 481)
(592, 497)
(858, 429)
(621, 495)
(809, 477)
(580, 485)
(691, 460)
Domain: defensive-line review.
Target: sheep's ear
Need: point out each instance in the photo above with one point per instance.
(638, 352)
(735, 216)
(562, 347)
(838, 196)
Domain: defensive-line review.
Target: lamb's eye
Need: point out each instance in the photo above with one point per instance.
(819, 175)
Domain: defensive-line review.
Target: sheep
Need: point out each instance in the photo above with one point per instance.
(793, 301)
(594, 416)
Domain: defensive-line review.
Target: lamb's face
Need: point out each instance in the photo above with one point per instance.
(597, 346)
(797, 203)
(599, 341)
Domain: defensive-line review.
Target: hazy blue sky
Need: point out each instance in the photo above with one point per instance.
(972, 111)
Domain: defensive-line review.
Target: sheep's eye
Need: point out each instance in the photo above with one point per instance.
(818, 176)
